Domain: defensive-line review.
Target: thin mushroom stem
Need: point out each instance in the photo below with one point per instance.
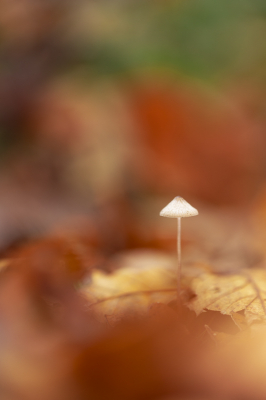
(178, 258)
(178, 208)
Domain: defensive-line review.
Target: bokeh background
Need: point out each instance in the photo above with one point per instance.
(108, 110)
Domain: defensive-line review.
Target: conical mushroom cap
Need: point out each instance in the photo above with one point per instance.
(178, 208)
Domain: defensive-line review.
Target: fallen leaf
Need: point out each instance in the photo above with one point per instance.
(134, 288)
(175, 157)
(230, 293)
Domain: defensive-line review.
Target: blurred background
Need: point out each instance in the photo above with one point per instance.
(108, 110)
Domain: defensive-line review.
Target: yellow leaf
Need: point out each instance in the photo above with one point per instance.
(132, 289)
(230, 293)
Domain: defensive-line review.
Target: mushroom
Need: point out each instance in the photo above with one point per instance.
(178, 208)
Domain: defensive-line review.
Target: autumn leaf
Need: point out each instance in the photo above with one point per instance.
(134, 288)
(228, 294)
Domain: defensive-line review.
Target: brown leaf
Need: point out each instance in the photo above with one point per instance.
(186, 134)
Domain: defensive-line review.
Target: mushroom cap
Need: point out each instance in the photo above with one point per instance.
(178, 208)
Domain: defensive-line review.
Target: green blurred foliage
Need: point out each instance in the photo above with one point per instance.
(203, 38)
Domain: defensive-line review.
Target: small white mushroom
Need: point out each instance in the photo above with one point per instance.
(178, 208)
